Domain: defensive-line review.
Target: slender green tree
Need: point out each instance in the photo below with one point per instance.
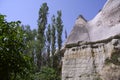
(53, 39)
(48, 44)
(59, 27)
(42, 21)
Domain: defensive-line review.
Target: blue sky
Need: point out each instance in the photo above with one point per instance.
(27, 10)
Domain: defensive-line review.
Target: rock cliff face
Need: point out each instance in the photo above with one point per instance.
(92, 50)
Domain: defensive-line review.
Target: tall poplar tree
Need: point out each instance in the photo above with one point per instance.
(48, 44)
(59, 27)
(53, 39)
(42, 21)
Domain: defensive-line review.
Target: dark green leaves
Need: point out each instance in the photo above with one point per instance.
(12, 46)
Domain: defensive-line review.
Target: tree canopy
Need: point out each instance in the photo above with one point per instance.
(12, 45)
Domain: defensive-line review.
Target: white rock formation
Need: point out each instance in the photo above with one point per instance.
(92, 50)
(79, 32)
(104, 25)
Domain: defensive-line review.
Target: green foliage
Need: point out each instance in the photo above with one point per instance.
(48, 73)
(12, 60)
(48, 43)
(53, 40)
(59, 27)
(19, 47)
(31, 41)
(42, 21)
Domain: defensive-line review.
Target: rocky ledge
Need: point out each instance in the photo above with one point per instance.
(92, 60)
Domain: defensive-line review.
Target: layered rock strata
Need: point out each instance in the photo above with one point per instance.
(92, 60)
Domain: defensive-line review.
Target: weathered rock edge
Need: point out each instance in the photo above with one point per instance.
(80, 43)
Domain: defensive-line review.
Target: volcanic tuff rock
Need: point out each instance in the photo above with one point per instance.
(92, 50)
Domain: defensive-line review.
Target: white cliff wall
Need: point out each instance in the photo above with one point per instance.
(92, 61)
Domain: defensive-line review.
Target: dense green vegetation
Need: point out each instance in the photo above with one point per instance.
(13, 61)
(27, 54)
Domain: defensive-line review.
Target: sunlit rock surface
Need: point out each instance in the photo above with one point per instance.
(92, 50)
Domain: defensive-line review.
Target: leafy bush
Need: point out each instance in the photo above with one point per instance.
(48, 73)
(13, 61)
